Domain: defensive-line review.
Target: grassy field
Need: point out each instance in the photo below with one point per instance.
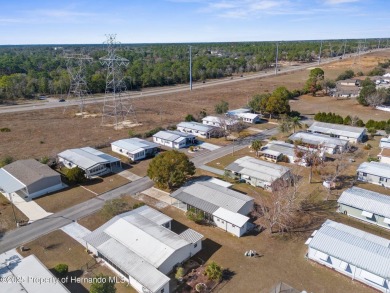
(45, 130)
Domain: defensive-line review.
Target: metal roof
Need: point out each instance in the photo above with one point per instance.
(100, 154)
(375, 168)
(173, 136)
(231, 217)
(83, 159)
(280, 147)
(318, 139)
(259, 169)
(23, 271)
(8, 183)
(191, 236)
(247, 115)
(237, 111)
(134, 145)
(353, 246)
(366, 200)
(385, 143)
(30, 171)
(208, 197)
(221, 121)
(134, 265)
(338, 129)
(196, 126)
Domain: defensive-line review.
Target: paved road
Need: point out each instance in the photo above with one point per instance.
(41, 227)
(171, 89)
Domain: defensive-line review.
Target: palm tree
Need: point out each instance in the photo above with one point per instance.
(213, 271)
(295, 123)
(256, 146)
(284, 126)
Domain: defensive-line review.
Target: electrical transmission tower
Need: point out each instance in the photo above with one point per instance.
(75, 64)
(116, 108)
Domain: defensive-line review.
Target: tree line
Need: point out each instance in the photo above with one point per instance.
(28, 71)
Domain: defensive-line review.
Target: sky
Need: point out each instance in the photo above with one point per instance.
(190, 21)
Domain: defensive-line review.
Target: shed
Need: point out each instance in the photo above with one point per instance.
(135, 148)
(174, 139)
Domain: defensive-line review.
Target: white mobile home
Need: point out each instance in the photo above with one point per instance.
(330, 145)
(351, 133)
(260, 173)
(357, 254)
(384, 156)
(174, 139)
(366, 205)
(238, 111)
(135, 148)
(92, 161)
(375, 173)
(221, 122)
(198, 129)
(226, 208)
(29, 179)
(385, 143)
(140, 247)
(248, 117)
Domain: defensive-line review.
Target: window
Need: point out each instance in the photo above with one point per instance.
(364, 174)
(162, 290)
(223, 222)
(195, 245)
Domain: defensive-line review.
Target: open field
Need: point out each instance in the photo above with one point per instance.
(46, 132)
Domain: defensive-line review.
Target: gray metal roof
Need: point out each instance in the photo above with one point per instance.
(8, 183)
(209, 197)
(385, 143)
(196, 126)
(82, 158)
(134, 145)
(366, 200)
(237, 111)
(318, 139)
(220, 121)
(338, 129)
(284, 148)
(259, 169)
(134, 265)
(353, 246)
(170, 135)
(191, 236)
(375, 168)
(30, 171)
(100, 154)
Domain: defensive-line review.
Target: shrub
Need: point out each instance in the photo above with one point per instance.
(189, 118)
(196, 216)
(284, 159)
(152, 132)
(115, 207)
(360, 73)
(367, 146)
(377, 71)
(213, 271)
(179, 273)
(289, 141)
(171, 127)
(345, 75)
(75, 175)
(272, 138)
(61, 269)
(5, 129)
(138, 205)
(5, 161)
(294, 114)
(372, 159)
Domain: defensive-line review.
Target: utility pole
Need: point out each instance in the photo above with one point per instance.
(319, 57)
(345, 45)
(276, 58)
(13, 210)
(379, 43)
(190, 68)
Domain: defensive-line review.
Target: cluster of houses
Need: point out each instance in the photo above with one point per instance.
(360, 255)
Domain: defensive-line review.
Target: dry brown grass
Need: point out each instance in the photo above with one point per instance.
(7, 218)
(48, 132)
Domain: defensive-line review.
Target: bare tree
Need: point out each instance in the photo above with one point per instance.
(309, 156)
(376, 99)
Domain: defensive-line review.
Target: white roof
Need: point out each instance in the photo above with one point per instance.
(364, 250)
(220, 120)
(240, 110)
(259, 169)
(375, 168)
(82, 158)
(385, 143)
(174, 136)
(220, 182)
(9, 183)
(338, 129)
(137, 243)
(196, 126)
(318, 139)
(100, 154)
(279, 147)
(366, 200)
(25, 270)
(231, 217)
(247, 115)
(134, 145)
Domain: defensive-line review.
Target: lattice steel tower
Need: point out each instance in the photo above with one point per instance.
(75, 65)
(116, 108)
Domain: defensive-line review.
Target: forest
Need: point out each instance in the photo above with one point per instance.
(31, 71)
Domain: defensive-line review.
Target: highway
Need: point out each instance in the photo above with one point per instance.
(171, 89)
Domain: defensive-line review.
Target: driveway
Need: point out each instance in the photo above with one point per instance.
(159, 195)
(128, 175)
(30, 208)
(76, 231)
(208, 146)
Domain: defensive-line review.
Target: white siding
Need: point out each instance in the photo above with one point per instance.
(135, 157)
(47, 190)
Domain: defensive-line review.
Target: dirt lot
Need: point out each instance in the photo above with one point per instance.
(47, 132)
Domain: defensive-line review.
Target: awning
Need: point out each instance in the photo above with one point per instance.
(308, 241)
(372, 278)
(387, 221)
(322, 256)
(343, 265)
(8, 183)
(367, 214)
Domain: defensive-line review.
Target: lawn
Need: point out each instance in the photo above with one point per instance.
(7, 217)
(106, 183)
(57, 247)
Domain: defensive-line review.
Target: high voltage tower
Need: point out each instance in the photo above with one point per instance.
(75, 65)
(116, 109)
